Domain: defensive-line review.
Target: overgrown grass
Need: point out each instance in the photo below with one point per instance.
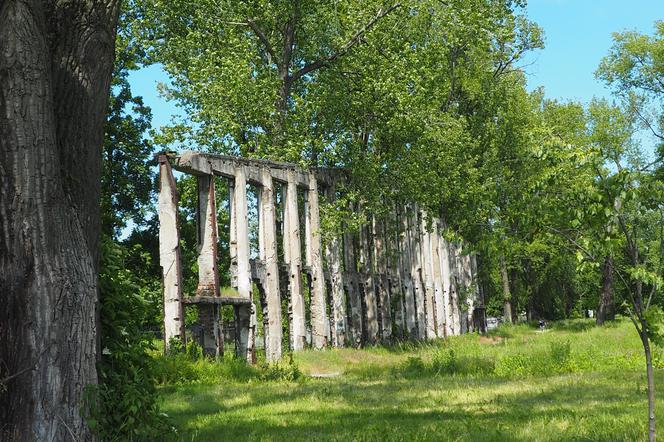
(573, 382)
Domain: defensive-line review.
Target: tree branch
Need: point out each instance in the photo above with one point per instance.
(347, 46)
(263, 38)
(648, 125)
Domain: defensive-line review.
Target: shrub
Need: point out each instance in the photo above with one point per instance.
(288, 371)
(123, 406)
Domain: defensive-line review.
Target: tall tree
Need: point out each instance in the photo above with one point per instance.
(56, 60)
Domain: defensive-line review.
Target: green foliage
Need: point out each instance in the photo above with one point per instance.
(127, 173)
(191, 367)
(280, 371)
(124, 405)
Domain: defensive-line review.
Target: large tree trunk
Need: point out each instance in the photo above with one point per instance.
(56, 60)
(606, 309)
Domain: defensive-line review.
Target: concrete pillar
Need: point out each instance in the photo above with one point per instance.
(169, 254)
(268, 254)
(292, 254)
(416, 272)
(352, 288)
(319, 319)
(455, 285)
(446, 266)
(245, 315)
(382, 279)
(367, 275)
(439, 301)
(394, 266)
(469, 285)
(208, 277)
(333, 259)
(407, 282)
(427, 277)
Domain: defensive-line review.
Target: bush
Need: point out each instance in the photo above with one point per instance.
(288, 371)
(191, 367)
(123, 406)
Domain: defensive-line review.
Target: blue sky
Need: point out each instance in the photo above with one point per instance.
(577, 36)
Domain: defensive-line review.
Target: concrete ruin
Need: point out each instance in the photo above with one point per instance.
(397, 278)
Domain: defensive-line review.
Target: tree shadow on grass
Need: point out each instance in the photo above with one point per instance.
(595, 407)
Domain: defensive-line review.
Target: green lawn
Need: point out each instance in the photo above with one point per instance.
(574, 382)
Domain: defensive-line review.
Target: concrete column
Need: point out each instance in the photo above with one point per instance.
(352, 288)
(319, 319)
(268, 254)
(366, 271)
(245, 314)
(382, 279)
(427, 277)
(208, 277)
(407, 282)
(439, 301)
(333, 259)
(292, 252)
(394, 265)
(446, 267)
(479, 312)
(416, 272)
(232, 237)
(169, 254)
(469, 285)
(455, 285)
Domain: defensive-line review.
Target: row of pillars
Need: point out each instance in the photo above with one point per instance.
(395, 278)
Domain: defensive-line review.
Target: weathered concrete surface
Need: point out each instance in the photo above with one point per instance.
(292, 252)
(427, 277)
(268, 254)
(339, 326)
(208, 276)
(369, 288)
(382, 278)
(169, 254)
(351, 281)
(245, 314)
(407, 283)
(314, 260)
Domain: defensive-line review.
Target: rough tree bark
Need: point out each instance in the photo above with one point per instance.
(56, 60)
(605, 310)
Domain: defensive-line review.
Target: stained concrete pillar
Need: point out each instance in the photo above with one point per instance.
(245, 315)
(208, 277)
(427, 277)
(416, 272)
(314, 259)
(353, 290)
(268, 254)
(333, 259)
(382, 278)
(394, 266)
(439, 301)
(455, 286)
(367, 275)
(446, 266)
(406, 267)
(292, 255)
(169, 254)
(469, 290)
